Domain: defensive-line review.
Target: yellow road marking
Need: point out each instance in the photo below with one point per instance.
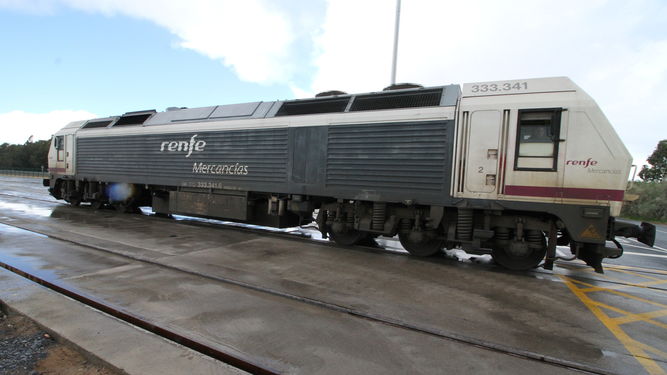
(616, 267)
(638, 349)
(592, 288)
(582, 267)
(637, 274)
(629, 317)
(646, 317)
(627, 285)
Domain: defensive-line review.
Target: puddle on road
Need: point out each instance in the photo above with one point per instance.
(27, 208)
(15, 257)
(10, 229)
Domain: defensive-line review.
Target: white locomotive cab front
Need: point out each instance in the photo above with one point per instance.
(545, 142)
(595, 158)
(61, 159)
(538, 140)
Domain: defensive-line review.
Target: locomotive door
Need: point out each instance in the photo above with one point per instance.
(69, 154)
(59, 145)
(538, 157)
(484, 130)
(64, 145)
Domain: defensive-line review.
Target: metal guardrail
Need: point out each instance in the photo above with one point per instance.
(24, 173)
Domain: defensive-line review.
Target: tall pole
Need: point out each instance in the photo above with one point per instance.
(398, 19)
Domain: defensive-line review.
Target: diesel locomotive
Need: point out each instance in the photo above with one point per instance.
(508, 168)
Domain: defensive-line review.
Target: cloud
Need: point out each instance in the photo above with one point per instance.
(616, 51)
(254, 38)
(250, 37)
(17, 126)
(32, 6)
(354, 47)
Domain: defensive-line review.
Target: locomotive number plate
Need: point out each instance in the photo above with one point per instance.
(499, 87)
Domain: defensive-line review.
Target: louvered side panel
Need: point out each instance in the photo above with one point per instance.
(240, 157)
(410, 157)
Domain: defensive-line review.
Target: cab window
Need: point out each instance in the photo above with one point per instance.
(59, 145)
(58, 142)
(538, 133)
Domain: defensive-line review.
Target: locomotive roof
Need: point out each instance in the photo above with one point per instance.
(442, 96)
(405, 98)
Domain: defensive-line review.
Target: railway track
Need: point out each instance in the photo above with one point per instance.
(233, 359)
(302, 236)
(253, 366)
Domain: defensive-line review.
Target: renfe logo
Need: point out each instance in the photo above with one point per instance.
(180, 146)
(584, 163)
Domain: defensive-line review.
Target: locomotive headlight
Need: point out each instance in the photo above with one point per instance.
(120, 192)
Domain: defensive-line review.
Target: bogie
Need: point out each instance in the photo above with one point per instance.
(520, 254)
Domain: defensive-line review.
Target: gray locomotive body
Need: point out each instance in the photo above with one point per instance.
(388, 163)
(391, 162)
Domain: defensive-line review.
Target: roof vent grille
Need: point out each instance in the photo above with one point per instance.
(394, 100)
(313, 106)
(402, 86)
(330, 93)
(97, 124)
(134, 118)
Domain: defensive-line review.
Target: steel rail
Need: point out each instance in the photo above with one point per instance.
(236, 360)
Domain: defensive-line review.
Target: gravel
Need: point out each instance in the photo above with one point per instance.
(26, 349)
(21, 346)
(22, 353)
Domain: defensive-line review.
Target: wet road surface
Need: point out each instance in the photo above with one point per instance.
(304, 307)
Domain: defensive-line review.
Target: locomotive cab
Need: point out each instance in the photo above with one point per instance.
(62, 160)
(544, 145)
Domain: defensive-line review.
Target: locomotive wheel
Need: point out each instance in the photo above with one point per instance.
(369, 241)
(97, 204)
(348, 238)
(519, 260)
(74, 200)
(425, 248)
(126, 207)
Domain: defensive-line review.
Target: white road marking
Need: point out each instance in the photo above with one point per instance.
(655, 248)
(644, 255)
(645, 248)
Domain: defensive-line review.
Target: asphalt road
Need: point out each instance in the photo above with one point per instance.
(635, 254)
(569, 313)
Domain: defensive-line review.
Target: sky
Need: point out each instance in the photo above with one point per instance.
(67, 60)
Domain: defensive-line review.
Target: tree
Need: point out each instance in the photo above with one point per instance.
(27, 156)
(657, 172)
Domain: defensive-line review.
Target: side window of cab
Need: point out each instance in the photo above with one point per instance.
(59, 145)
(538, 133)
